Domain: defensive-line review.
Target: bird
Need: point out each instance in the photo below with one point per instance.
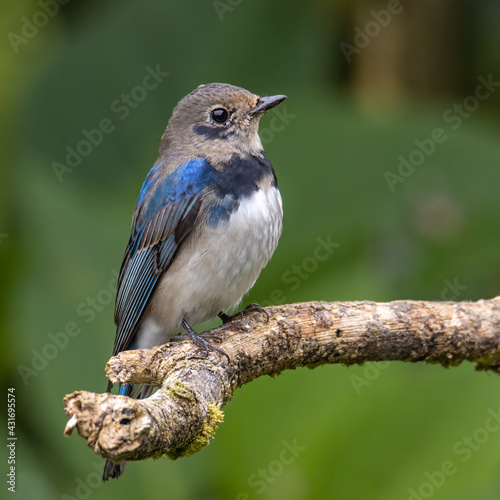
(207, 221)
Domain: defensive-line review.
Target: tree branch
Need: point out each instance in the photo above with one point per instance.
(183, 415)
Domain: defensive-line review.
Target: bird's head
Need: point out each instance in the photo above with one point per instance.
(218, 119)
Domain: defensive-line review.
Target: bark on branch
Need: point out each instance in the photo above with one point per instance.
(183, 415)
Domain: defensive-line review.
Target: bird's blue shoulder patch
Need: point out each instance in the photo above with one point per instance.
(229, 184)
(187, 179)
(178, 189)
(151, 178)
(190, 178)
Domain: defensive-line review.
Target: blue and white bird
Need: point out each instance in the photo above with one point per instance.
(207, 221)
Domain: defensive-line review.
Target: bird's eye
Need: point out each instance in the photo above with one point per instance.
(219, 115)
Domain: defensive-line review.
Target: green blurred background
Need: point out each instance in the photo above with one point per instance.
(357, 102)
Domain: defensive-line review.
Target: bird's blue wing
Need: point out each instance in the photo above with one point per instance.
(166, 211)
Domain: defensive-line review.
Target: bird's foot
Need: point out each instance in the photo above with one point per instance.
(200, 341)
(249, 308)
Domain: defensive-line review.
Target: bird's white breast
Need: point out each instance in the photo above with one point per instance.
(213, 271)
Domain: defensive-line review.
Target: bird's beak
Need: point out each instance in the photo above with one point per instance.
(266, 103)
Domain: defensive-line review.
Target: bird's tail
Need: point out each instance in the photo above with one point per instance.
(112, 470)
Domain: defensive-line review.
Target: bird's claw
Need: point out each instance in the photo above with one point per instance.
(199, 340)
(249, 308)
